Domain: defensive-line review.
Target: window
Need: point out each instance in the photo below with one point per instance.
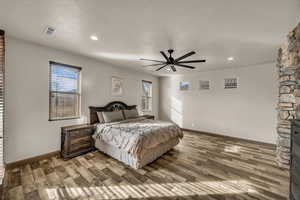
(147, 96)
(204, 85)
(64, 93)
(184, 86)
(230, 83)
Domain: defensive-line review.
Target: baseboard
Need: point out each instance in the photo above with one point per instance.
(30, 160)
(271, 146)
(48, 155)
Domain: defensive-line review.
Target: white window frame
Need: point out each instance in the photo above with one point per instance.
(77, 93)
(204, 84)
(149, 98)
(184, 89)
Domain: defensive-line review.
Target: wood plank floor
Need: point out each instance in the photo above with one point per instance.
(200, 167)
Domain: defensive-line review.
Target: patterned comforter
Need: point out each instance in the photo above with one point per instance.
(138, 135)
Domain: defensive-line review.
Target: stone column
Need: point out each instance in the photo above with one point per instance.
(288, 64)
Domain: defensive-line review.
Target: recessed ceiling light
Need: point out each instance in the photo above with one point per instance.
(230, 58)
(94, 37)
(168, 69)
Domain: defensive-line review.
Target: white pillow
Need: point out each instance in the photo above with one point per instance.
(129, 114)
(100, 117)
(113, 116)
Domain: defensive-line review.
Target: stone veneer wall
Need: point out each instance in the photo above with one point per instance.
(288, 64)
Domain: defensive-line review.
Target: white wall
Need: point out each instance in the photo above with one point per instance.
(28, 131)
(248, 112)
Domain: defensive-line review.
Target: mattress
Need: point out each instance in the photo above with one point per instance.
(136, 136)
(128, 159)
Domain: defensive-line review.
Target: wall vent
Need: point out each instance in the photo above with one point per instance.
(50, 31)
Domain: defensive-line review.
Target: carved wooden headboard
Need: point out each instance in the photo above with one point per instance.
(112, 106)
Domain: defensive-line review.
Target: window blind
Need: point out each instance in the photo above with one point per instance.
(203, 85)
(146, 95)
(64, 93)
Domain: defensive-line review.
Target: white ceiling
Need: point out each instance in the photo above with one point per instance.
(249, 30)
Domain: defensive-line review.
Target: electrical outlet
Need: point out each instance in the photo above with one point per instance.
(193, 124)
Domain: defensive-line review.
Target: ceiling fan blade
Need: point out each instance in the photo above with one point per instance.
(165, 56)
(153, 60)
(184, 56)
(173, 68)
(192, 61)
(161, 68)
(187, 66)
(154, 65)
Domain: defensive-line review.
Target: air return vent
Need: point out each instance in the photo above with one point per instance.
(50, 31)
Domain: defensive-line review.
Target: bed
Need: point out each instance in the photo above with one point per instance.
(135, 141)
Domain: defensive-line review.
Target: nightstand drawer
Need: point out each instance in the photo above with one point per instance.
(80, 146)
(83, 139)
(80, 133)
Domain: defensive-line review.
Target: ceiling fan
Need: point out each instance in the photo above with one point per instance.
(174, 62)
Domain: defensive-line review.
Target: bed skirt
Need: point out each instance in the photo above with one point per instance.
(128, 159)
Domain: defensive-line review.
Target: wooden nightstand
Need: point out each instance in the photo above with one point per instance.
(76, 140)
(149, 116)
